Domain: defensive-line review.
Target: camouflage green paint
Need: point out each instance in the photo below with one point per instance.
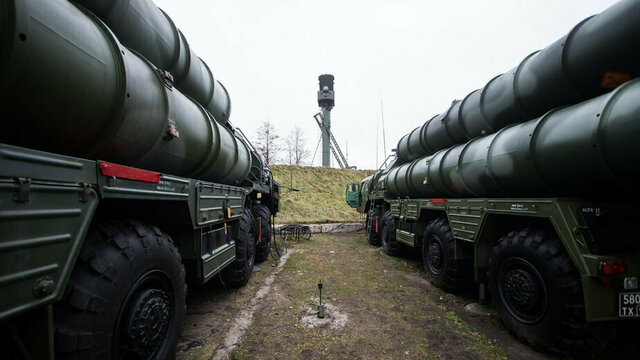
(586, 148)
(141, 26)
(469, 216)
(93, 97)
(597, 55)
(352, 194)
(43, 232)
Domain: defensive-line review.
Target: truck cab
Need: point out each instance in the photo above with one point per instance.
(357, 194)
(353, 194)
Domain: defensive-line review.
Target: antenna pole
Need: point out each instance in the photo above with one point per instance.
(347, 148)
(384, 135)
(377, 136)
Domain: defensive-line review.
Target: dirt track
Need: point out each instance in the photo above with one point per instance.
(378, 307)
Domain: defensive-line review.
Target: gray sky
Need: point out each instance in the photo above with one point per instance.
(415, 56)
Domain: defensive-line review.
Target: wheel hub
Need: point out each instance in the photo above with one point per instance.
(435, 256)
(148, 322)
(523, 291)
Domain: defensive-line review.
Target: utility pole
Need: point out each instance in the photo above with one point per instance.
(384, 134)
(377, 137)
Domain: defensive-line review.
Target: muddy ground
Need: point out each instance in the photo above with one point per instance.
(378, 307)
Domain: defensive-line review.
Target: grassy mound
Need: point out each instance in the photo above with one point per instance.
(321, 198)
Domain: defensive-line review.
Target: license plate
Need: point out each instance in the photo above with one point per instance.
(629, 305)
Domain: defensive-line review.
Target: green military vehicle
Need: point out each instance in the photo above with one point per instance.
(121, 180)
(528, 188)
(370, 191)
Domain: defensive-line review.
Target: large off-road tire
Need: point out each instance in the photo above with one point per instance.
(125, 298)
(239, 271)
(262, 215)
(390, 245)
(373, 235)
(438, 257)
(537, 292)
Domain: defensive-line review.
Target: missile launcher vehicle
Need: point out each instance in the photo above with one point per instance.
(581, 65)
(527, 190)
(121, 180)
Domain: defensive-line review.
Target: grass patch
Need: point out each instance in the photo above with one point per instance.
(388, 318)
(322, 195)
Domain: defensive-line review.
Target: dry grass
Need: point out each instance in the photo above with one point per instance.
(386, 316)
(322, 195)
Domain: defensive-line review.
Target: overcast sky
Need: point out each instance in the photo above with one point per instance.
(415, 56)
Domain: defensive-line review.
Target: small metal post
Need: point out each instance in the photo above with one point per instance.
(321, 307)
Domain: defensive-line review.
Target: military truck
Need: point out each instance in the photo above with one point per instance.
(121, 180)
(370, 191)
(527, 189)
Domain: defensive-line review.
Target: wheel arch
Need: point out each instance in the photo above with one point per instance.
(425, 217)
(115, 263)
(494, 227)
(172, 217)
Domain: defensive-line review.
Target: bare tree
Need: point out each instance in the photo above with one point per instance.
(268, 142)
(296, 149)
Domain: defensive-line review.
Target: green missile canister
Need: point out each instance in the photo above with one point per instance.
(68, 86)
(141, 26)
(589, 148)
(596, 56)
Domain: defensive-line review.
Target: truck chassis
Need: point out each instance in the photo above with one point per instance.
(559, 271)
(88, 246)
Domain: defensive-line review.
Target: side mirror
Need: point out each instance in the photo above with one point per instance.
(353, 194)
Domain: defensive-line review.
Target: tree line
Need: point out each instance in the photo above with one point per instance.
(276, 149)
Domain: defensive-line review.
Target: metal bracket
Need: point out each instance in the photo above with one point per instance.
(172, 131)
(167, 79)
(43, 287)
(85, 192)
(21, 194)
(225, 214)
